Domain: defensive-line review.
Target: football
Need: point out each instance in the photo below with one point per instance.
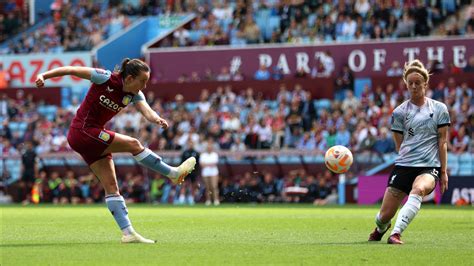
(338, 159)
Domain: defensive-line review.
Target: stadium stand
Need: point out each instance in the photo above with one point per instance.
(72, 27)
(13, 18)
(259, 126)
(312, 22)
(240, 121)
(236, 22)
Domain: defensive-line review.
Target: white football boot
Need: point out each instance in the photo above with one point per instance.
(136, 238)
(183, 170)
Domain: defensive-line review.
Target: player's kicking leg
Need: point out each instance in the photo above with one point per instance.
(149, 159)
(423, 185)
(391, 200)
(104, 169)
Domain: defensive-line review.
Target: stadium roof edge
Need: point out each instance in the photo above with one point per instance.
(117, 35)
(146, 45)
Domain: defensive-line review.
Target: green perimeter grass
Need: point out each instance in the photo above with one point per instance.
(230, 234)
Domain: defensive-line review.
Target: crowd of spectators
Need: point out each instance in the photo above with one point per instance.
(462, 23)
(247, 120)
(73, 27)
(239, 22)
(242, 121)
(13, 18)
(77, 26)
(232, 121)
(295, 187)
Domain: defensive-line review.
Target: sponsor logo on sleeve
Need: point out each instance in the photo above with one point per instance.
(100, 71)
(104, 136)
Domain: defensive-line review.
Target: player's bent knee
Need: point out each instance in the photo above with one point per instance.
(418, 191)
(135, 146)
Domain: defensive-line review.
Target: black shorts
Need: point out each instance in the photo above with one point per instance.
(402, 177)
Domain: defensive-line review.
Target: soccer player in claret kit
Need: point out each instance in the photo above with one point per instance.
(420, 129)
(107, 96)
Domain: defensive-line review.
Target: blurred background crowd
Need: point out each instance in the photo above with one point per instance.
(239, 122)
(223, 119)
(245, 121)
(83, 24)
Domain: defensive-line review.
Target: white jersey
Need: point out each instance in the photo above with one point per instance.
(210, 159)
(419, 126)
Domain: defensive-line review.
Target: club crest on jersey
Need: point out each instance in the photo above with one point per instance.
(126, 99)
(104, 136)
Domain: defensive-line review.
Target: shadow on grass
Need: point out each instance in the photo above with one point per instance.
(344, 243)
(347, 243)
(62, 244)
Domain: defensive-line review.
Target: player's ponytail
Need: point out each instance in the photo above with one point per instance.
(418, 67)
(132, 67)
(124, 64)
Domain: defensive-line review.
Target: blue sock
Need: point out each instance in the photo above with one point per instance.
(117, 207)
(154, 162)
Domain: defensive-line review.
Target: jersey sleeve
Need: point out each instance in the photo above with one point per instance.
(443, 119)
(397, 121)
(139, 97)
(100, 76)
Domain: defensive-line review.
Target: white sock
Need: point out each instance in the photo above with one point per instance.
(407, 213)
(381, 227)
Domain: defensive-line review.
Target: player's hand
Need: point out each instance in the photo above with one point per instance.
(39, 81)
(444, 182)
(161, 122)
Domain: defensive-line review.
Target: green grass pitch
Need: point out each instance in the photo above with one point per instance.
(231, 235)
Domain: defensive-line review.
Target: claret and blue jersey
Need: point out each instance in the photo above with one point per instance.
(104, 100)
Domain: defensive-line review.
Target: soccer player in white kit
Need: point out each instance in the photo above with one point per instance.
(420, 130)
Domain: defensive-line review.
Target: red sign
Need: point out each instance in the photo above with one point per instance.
(364, 59)
(23, 69)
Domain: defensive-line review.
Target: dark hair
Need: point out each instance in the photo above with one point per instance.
(132, 67)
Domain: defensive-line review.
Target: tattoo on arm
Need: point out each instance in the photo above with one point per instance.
(397, 193)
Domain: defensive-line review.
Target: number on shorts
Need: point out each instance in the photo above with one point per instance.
(435, 172)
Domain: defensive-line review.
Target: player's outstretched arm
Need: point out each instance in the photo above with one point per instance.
(443, 156)
(78, 71)
(150, 114)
